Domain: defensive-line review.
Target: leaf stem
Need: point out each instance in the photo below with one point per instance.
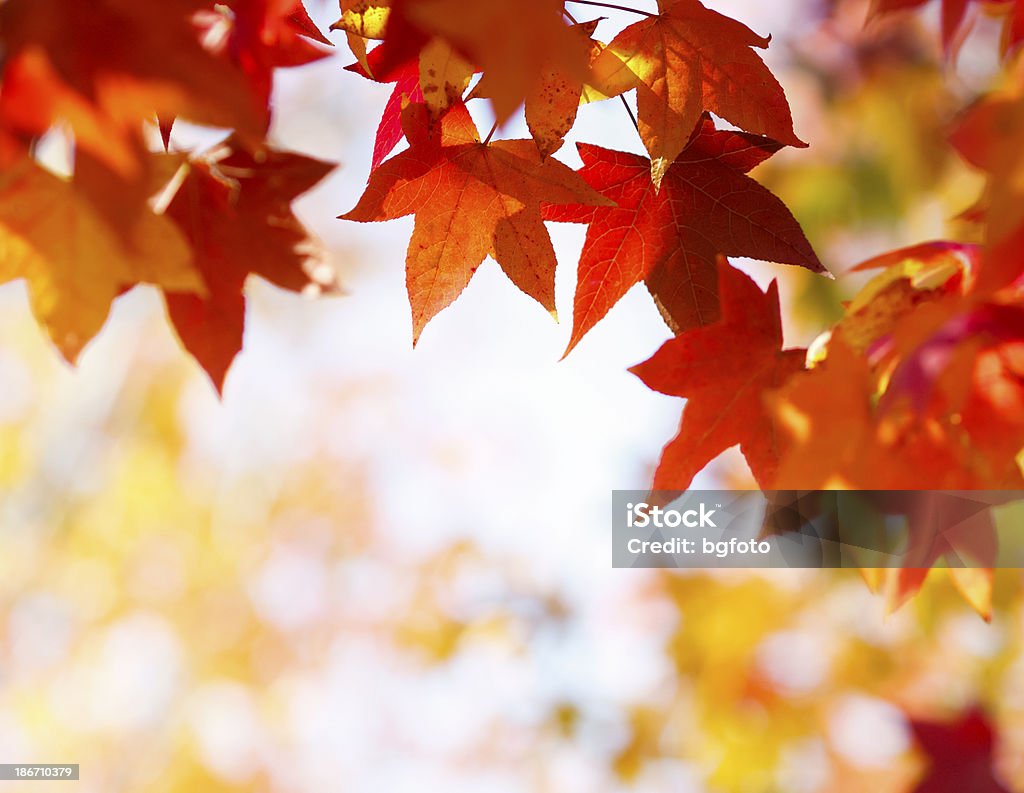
(491, 133)
(629, 110)
(613, 5)
(569, 16)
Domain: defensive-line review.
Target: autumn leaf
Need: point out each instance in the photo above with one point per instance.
(366, 19)
(444, 76)
(552, 103)
(235, 209)
(670, 237)
(74, 263)
(911, 277)
(106, 67)
(436, 77)
(724, 370)
(910, 531)
(512, 41)
(362, 20)
(688, 60)
(927, 264)
(406, 78)
(847, 428)
(470, 199)
(259, 36)
(959, 754)
(443, 71)
(299, 21)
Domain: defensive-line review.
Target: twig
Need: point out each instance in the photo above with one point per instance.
(629, 110)
(613, 5)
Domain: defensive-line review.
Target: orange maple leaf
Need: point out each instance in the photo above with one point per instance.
(55, 235)
(553, 101)
(940, 351)
(470, 199)
(687, 60)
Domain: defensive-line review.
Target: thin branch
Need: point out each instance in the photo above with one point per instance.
(613, 5)
(629, 110)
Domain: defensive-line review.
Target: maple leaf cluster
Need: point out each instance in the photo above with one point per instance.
(660, 220)
(918, 386)
(107, 75)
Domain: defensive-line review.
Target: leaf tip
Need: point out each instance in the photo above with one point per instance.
(69, 344)
(419, 322)
(659, 167)
(576, 336)
(166, 126)
(218, 384)
(215, 368)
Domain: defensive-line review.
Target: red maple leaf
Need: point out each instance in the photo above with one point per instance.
(724, 370)
(262, 35)
(234, 207)
(406, 77)
(669, 238)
